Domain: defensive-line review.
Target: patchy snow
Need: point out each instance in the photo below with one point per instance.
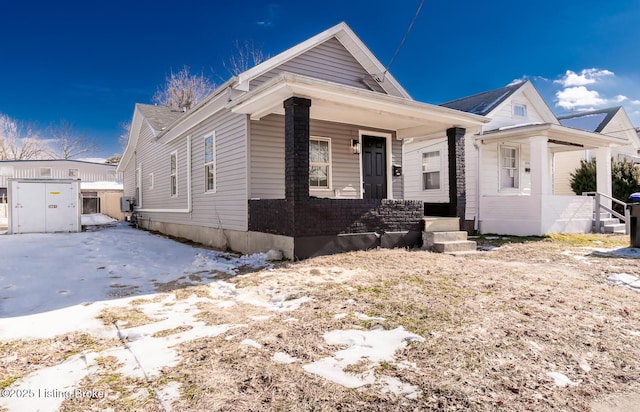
(282, 357)
(97, 219)
(561, 380)
(625, 252)
(625, 279)
(362, 316)
(252, 343)
(54, 284)
(373, 346)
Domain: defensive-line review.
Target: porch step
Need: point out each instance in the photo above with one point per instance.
(441, 224)
(614, 228)
(447, 242)
(454, 246)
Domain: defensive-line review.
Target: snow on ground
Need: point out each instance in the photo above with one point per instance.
(43, 272)
(53, 284)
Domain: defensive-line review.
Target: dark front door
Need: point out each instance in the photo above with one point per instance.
(374, 167)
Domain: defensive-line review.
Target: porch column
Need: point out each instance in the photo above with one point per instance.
(296, 148)
(457, 180)
(603, 174)
(540, 180)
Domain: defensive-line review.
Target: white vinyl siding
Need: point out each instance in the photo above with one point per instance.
(267, 159)
(319, 163)
(151, 180)
(329, 61)
(173, 174)
(209, 163)
(413, 172)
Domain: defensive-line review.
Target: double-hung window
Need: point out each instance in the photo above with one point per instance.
(509, 170)
(173, 174)
(74, 173)
(319, 163)
(431, 166)
(209, 163)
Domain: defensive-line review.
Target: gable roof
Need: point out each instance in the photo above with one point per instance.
(483, 103)
(159, 117)
(349, 40)
(592, 121)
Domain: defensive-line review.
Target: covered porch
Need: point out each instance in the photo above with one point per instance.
(516, 193)
(361, 203)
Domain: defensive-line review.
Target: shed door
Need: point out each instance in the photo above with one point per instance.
(374, 167)
(60, 209)
(28, 215)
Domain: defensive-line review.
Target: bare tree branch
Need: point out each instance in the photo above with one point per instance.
(245, 57)
(68, 143)
(20, 142)
(183, 90)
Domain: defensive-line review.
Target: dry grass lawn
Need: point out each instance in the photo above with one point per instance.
(495, 324)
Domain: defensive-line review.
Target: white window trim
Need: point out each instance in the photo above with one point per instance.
(213, 163)
(438, 148)
(174, 153)
(330, 164)
(524, 106)
(518, 168)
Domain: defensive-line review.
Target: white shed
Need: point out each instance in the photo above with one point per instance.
(44, 206)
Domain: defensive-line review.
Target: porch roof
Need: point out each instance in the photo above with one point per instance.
(560, 138)
(345, 104)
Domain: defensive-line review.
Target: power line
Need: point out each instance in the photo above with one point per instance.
(404, 38)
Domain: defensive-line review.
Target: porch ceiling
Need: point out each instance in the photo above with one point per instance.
(344, 104)
(559, 138)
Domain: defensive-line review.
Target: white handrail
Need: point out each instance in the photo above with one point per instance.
(598, 206)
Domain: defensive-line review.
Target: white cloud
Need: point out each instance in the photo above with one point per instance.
(635, 102)
(585, 77)
(580, 96)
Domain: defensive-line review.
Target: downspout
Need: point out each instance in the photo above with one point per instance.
(476, 225)
(189, 200)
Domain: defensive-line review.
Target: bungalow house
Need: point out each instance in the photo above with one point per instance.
(509, 166)
(302, 152)
(100, 184)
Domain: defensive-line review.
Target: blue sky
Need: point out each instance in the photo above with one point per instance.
(90, 62)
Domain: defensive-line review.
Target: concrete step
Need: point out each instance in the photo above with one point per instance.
(617, 228)
(608, 221)
(441, 224)
(430, 238)
(454, 246)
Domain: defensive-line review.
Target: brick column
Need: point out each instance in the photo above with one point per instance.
(457, 180)
(296, 148)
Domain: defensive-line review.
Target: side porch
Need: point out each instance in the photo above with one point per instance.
(516, 189)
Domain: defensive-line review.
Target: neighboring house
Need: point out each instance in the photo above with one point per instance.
(613, 121)
(100, 183)
(302, 152)
(508, 167)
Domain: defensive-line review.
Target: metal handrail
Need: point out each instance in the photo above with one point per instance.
(598, 206)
